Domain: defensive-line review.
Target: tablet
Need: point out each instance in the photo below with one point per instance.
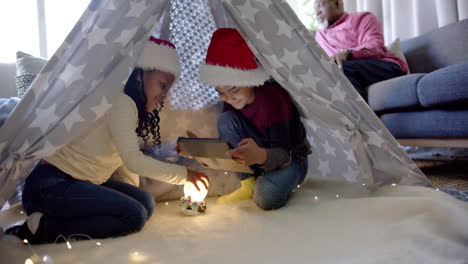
(211, 153)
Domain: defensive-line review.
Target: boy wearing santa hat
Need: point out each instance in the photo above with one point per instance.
(260, 120)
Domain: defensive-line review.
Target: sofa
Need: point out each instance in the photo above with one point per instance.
(429, 106)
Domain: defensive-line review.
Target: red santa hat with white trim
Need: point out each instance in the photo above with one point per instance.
(159, 55)
(229, 61)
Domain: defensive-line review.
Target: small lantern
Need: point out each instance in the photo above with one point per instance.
(193, 201)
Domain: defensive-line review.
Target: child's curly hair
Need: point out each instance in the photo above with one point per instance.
(148, 122)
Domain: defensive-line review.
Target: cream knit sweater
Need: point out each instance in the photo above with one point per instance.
(113, 146)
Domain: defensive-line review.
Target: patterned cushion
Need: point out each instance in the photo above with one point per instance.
(27, 68)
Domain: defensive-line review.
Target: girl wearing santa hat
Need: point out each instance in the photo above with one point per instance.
(70, 191)
(260, 120)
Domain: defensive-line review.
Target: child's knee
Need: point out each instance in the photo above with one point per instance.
(149, 204)
(268, 195)
(136, 218)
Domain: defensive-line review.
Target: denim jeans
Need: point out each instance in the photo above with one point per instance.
(71, 206)
(362, 73)
(272, 188)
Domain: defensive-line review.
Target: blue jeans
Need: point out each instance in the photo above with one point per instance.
(272, 188)
(362, 73)
(71, 206)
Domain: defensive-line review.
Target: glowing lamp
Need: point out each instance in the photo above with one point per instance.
(193, 201)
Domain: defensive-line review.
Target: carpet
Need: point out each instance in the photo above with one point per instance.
(322, 223)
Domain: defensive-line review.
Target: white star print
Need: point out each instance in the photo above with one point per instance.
(309, 80)
(311, 140)
(349, 154)
(97, 36)
(248, 11)
(290, 58)
(337, 94)
(292, 79)
(260, 36)
(136, 9)
(43, 80)
(329, 149)
(374, 139)
(126, 35)
(46, 150)
(100, 109)
(111, 6)
(323, 167)
(266, 5)
(352, 175)
(284, 29)
(327, 64)
(95, 83)
(150, 23)
(72, 118)
(44, 118)
(336, 134)
(71, 74)
(86, 25)
(310, 123)
(272, 59)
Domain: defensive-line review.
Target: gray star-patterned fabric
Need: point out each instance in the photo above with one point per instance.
(81, 80)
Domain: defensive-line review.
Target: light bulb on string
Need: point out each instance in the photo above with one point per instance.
(36, 259)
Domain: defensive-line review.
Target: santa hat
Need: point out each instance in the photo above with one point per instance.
(159, 55)
(230, 61)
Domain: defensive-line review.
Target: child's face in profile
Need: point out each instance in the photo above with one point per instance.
(238, 97)
(157, 85)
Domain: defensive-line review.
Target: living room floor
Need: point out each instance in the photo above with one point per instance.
(443, 175)
(450, 175)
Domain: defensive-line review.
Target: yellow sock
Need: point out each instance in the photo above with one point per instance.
(243, 193)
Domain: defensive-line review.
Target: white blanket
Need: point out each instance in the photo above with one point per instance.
(396, 224)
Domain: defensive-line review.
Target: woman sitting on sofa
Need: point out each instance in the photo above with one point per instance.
(70, 192)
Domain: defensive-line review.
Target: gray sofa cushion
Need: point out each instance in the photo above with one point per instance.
(428, 124)
(437, 49)
(447, 86)
(395, 94)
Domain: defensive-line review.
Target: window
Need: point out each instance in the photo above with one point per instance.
(37, 27)
(305, 11)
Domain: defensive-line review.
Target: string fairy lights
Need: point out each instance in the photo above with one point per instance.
(36, 258)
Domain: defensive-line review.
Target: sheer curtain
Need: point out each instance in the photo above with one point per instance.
(409, 18)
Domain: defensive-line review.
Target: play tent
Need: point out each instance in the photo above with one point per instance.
(82, 79)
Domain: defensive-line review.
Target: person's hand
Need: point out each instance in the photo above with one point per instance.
(341, 56)
(177, 150)
(195, 177)
(248, 153)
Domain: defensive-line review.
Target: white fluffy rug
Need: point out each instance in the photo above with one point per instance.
(397, 224)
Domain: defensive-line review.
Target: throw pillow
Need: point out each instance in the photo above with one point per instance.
(395, 47)
(27, 68)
